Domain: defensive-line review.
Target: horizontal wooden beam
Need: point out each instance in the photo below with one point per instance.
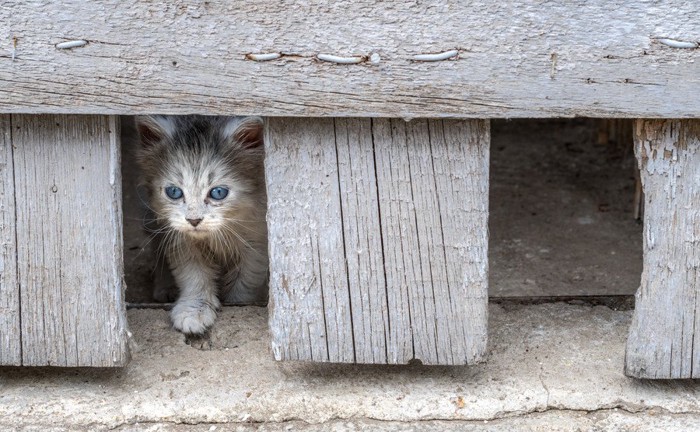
(522, 58)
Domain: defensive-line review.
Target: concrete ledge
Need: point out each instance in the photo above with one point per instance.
(546, 362)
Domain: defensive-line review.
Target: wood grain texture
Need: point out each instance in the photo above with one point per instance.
(664, 336)
(69, 240)
(364, 251)
(522, 58)
(378, 240)
(10, 341)
(310, 314)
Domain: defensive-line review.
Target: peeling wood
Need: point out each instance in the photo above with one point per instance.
(664, 336)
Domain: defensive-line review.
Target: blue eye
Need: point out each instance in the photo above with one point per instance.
(173, 192)
(218, 193)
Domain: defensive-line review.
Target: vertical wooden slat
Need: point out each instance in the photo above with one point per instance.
(69, 235)
(310, 316)
(433, 178)
(397, 233)
(664, 336)
(408, 226)
(460, 159)
(363, 245)
(404, 206)
(10, 342)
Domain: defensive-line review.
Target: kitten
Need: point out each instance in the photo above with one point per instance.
(206, 185)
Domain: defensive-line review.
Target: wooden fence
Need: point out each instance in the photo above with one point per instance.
(378, 226)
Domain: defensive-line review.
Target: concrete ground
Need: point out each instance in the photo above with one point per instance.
(550, 367)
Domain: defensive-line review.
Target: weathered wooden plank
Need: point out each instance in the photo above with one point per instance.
(433, 179)
(460, 170)
(404, 206)
(309, 308)
(364, 252)
(522, 58)
(10, 342)
(398, 237)
(664, 336)
(69, 235)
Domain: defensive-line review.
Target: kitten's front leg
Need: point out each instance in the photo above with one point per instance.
(195, 309)
(248, 283)
(164, 286)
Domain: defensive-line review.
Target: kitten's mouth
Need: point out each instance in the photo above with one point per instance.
(196, 232)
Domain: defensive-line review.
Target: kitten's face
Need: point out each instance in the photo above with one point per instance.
(204, 173)
(199, 198)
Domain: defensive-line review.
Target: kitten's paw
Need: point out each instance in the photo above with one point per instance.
(200, 342)
(193, 318)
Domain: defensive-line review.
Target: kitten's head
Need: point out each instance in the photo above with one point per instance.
(204, 174)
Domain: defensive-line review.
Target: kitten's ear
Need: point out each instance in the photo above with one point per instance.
(153, 129)
(245, 131)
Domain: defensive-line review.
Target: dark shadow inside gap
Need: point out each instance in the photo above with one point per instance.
(561, 213)
(561, 210)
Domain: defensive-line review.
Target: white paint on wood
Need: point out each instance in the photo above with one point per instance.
(678, 44)
(69, 240)
(264, 56)
(10, 342)
(400, 210)
(521, 58)
(436, 57)
(341, 60)
(664, 336)
(71, 44)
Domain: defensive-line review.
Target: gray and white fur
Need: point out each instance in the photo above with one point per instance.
(216, 247)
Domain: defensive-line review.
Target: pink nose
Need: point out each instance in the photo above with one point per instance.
(194, 222)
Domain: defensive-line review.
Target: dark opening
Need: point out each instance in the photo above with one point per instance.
(561, 212)
(562, 220)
